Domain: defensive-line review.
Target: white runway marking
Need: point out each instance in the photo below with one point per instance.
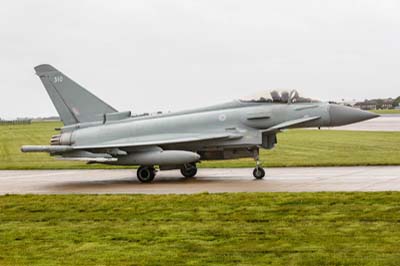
(373, 178)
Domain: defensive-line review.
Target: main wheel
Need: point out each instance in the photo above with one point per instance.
(189, 170)
(146, 174)
(259, 173)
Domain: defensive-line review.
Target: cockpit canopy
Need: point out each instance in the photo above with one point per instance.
(277, 96)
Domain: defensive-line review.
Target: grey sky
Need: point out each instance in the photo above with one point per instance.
(170, 55)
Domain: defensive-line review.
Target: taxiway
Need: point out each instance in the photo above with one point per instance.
(373, 178)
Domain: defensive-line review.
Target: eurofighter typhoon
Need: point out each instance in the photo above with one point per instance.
(97, 133)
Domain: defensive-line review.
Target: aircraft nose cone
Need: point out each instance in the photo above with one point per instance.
(343, 115)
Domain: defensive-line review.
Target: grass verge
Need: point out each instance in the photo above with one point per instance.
(216, 229)
(386, 112)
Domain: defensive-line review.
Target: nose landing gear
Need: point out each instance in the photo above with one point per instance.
(258, 172)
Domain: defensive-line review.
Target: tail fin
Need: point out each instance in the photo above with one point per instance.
(74, 104)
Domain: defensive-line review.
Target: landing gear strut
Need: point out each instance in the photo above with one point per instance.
(258, 172)
(146, 174)
(189, 170)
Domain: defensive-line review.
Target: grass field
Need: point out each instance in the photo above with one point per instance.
(235, 229)
(295, 148)
(391, 111)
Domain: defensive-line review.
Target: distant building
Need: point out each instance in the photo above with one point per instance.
(387, 104)
(366, 105)
(49, 118)
(15, 122)
(344, 102)
(375, 104)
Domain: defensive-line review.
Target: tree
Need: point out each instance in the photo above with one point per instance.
(396, 102)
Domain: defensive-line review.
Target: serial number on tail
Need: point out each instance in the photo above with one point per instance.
(58, 79)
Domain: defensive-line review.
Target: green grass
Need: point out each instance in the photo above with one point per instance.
(295, 148)
(327, 148)
(203, 229)
(390, 111)
(13, 137)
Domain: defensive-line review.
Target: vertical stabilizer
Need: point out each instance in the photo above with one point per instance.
(74, 104)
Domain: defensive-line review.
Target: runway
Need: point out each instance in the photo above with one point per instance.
(371, 178)
(387, 122)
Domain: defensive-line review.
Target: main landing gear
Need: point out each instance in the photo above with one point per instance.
(146, 174)
(189, 170)
(258, 172)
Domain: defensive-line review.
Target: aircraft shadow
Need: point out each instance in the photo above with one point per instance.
(132, 183)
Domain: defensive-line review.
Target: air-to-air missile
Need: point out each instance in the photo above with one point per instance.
(97, 133)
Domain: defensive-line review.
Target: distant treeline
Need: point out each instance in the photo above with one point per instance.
(15, 122)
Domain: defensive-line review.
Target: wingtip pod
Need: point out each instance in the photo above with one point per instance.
(44, 68)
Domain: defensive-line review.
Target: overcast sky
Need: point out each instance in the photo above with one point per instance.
(152, 55)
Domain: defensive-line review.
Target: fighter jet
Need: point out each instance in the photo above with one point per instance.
(95, 132)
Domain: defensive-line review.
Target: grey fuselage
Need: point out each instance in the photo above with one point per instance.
(245, 119)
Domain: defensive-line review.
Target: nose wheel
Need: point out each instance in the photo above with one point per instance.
(146, 174)
(258, 172)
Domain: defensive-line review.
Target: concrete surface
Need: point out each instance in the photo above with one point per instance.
(208, 180)
(382, 123)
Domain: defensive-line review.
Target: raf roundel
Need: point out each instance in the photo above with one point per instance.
(222, 117)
